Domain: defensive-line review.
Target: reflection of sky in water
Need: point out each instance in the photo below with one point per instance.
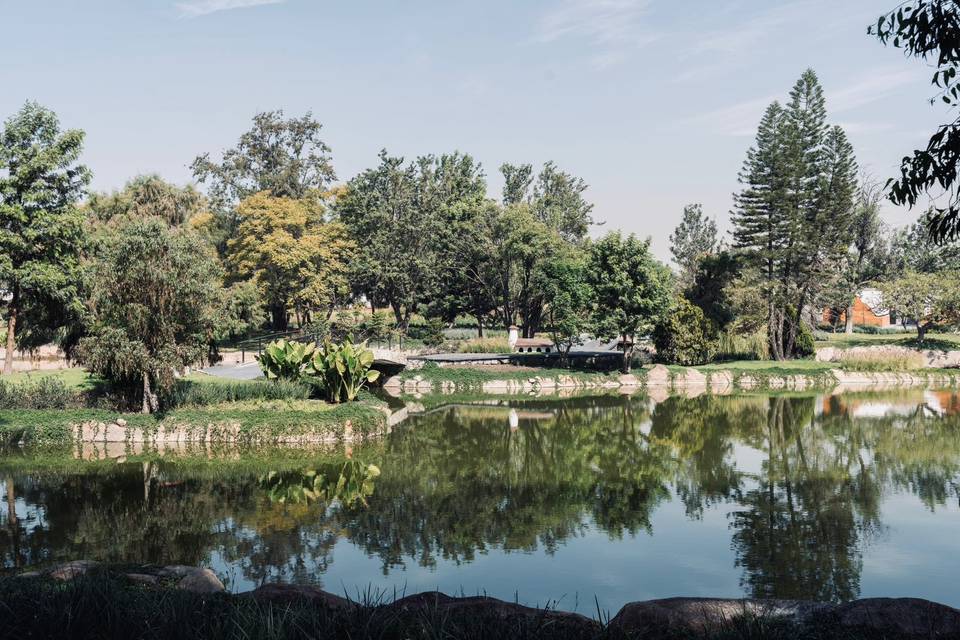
(896, 509)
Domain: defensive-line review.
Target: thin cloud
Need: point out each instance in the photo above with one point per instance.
(611, 26)
(206, 7)
(740, 119)
(877, 84)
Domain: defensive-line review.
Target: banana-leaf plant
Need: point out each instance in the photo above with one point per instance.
(350, 483)
(340, 371)
(285, 360)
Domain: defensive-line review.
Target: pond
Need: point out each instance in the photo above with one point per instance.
(582, 502)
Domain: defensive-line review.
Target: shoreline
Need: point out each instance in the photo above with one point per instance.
(698, 617)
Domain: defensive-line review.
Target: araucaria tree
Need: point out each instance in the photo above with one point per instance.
(41, 232)
(631, 290)
(154, 294)
(792, 219)
(693, 239)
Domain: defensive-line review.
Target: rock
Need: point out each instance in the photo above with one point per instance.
(30, 574)
(907, 616)
(658, 376)
(121, 422)
(682, 617)
(478, 608)
(692, 378)
(114, 433)
(143, 578)
(176, 571)
(201, 581)
(287, 593)
(627, 380)
(70, 570)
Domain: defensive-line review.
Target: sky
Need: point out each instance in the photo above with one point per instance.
(652, 102)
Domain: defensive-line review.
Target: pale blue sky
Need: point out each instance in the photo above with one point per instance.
(652, 102)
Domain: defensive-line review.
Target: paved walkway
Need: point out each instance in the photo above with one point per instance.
(247, 371)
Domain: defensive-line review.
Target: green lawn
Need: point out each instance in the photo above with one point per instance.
(941, 341)
(74, 378)
(770, 366)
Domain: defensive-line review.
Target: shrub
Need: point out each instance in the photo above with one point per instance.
(685, 336)
(44, 393)
(284, 360)
(433, 336)
(340, 371)
(804, 345)
(484, 345)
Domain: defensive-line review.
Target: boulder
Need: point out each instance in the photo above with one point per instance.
(905, 616)
(480, 608)
(70, 570)
(682, 617)
(658, 376)
(201, 581)
(288, 593)
(143, 578)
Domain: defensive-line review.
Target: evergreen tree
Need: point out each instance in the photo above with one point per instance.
(693, 239)
(793, 216)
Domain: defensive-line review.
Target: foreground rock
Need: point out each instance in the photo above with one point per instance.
(650, 620)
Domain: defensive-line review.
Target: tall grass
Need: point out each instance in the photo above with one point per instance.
(733, 346)
(864, 360)
(188, 393)
(484, 345)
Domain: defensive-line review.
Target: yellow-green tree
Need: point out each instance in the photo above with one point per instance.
(295, 255)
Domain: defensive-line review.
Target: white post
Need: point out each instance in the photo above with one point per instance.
(513, 336)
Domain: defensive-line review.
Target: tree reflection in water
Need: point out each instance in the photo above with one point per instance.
(468, 480)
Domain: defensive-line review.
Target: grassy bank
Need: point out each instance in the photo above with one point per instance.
(466, 378)
(105, 607)
(257, 420)
(938, 341)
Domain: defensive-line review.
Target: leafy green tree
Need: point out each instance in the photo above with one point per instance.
(693, 239)
(555, 197)
(145, 197)
(868, 258)
(41, 228)
(401, 215)
(929, 299)
(793, 217)
(914, 249)
(298, 260)
(631, 290)
(285, 157)
(927, 29)
(153, 306)
(563, 281)
(685, 336)
(711, 287)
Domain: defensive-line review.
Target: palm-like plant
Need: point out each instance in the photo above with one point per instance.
(340, 371)
(285, 360)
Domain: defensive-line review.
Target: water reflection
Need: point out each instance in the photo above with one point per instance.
(802, 482)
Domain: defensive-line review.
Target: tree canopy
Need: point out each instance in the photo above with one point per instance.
(41, 228)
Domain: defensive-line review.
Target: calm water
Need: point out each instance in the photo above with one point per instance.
(824, 497)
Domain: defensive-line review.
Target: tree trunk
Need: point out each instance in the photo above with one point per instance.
(150, 402)
(278, 317)
(14, 308)
(921, 332)
(848, 327)
(479, 325)
(627, 355)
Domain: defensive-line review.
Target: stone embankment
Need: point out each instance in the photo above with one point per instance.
(651, 619)
(660, 380)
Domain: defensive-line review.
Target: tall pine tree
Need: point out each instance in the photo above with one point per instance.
(792, 217)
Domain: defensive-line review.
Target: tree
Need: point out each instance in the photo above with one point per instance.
(41, 228)
(631, 290)
(914, 249)
(297, 259)
(792, 218)
(685, 336)
(402, 216)
(711, 287)
(144, 197)
(929, 299)
(930, 30)
(153, 305)
(568, 298)
(868, 257)
(284, 157)
(693, 239)
(555, 197)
